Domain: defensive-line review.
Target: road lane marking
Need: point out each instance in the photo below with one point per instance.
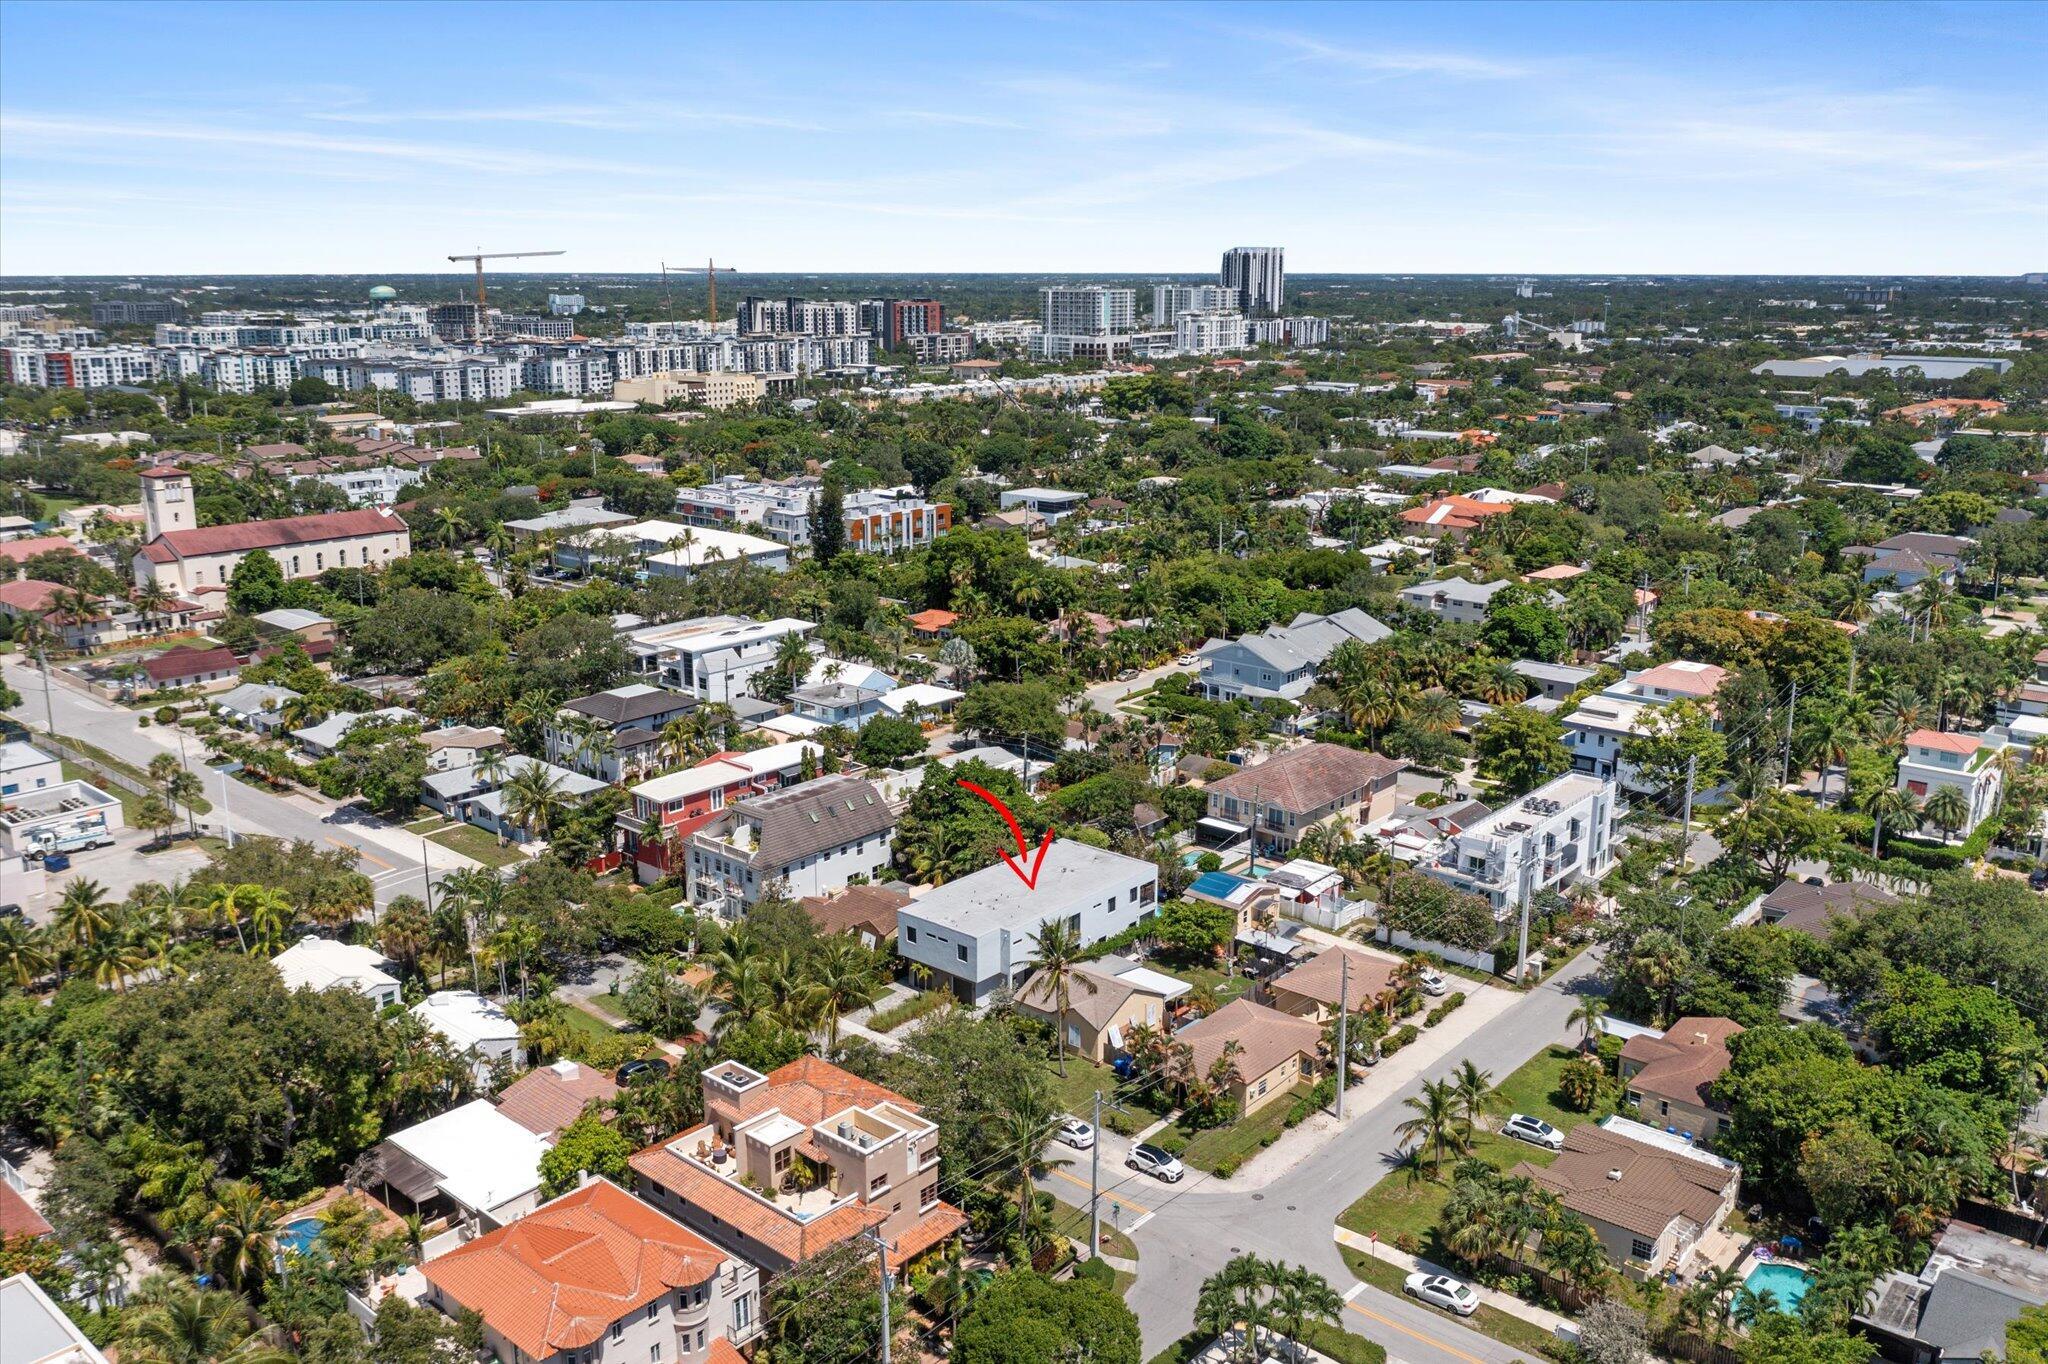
(359, 852)
(1135, 1207)
(1406, 1330)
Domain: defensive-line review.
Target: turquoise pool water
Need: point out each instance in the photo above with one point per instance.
(1787, 1283)
(299, 1235)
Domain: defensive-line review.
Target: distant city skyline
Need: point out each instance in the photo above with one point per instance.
(1025, 137)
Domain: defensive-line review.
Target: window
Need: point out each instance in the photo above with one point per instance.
(1641, 1249)
(618, 1330)
(961, 951)
(654, 1351)
(742, 1311)
(909, 933)
(652, 1308)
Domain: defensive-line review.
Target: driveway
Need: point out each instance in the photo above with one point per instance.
(1106, 695)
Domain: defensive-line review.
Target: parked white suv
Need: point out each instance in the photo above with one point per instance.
(1535, 1131)
(1150, 1160)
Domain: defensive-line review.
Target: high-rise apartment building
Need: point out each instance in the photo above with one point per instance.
(130, 310)
(1171, 300)
(1259, 278)
(1089, 310)
(904, 317)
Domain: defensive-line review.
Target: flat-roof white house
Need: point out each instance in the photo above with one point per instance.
(472, 1162)
(471, 1024)
(1054, 504)
(713, 658)
(324, 964)
(35, 1330)
(1279, 663)
(976, 933)
(1563, 832)
(1454, 599)
(24, 767)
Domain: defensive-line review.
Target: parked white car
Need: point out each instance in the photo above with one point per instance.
(1076, 1133)
(1535, 1131)
(1150, 1160)
(1433, 983)
(1441, 1290)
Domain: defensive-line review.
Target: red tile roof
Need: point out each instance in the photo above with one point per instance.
(18, 1216)
(252, 535)
(1684, 1062)
(182, 662)
(1946, 743)
(560, 1276)
(29, 594)
(21, 551)
(164, 471)
(547, 1099)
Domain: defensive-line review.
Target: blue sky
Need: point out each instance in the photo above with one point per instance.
(1534, 137)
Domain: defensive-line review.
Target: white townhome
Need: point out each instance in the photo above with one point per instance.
(1968, 764)
(1279, 663)
(1563, 832)
(810, 839)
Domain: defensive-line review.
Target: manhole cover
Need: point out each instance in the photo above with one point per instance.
(1258, 1198)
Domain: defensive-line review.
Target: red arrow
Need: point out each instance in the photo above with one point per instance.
(1029, 878)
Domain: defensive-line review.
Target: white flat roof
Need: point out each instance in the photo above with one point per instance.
(36, 1330)
(483, 1158)
(466, 1018)
(707, 546)
(994, 897)
(691, 781)
(318, 963)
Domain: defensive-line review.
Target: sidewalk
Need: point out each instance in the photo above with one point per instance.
(1550, 1321)
(855, 1023)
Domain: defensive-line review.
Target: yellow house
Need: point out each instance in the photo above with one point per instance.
(1275, 1051)
(1313, 989)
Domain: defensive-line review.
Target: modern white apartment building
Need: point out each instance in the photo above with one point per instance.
(1208, 333)
(33, 367)
(1089, 310)
(1288, 331)
(379, 487)
(1598, 727)
(1258, 275)
(877, 520)
(1563, 832)
(1010, 332)
(713, 658)
(977, 933)
(566, 305)
(1169, 301)
(1935, 759)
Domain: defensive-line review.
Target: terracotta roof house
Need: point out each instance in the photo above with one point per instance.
(1680, 679)
(31, 596)
(1312, 989)
(303, 547)
(548, 1098)
(598, 1272)
(21, 551)
(1813, 910)
(1279, 798)
(934, 623)
(1455, 515)
(1670, 1078)
(867, 912)
(1650, 1198)
(182, 667)
(1270, 1051)
(18, 1216)
(871, 1163)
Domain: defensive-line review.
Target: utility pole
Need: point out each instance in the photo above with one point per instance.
(1095, 1183)
(1791, 710)
(1343, 1031)
(1692, 769)
(49, 716)
(882, 1260)
(227, 823)
(1522, 951)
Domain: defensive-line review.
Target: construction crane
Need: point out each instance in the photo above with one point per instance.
(711, 273)
(481, 256)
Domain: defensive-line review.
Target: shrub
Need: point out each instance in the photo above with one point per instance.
(1444, 1008)
(917, 1006)
(167, 715)
(1209, 862)
(1227, 1166)
(1095, 1271)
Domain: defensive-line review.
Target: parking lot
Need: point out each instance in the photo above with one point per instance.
(118, 870)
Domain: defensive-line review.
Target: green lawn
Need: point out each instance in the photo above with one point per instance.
(1075, 1093)
(1505, 1327)
(1221, 1149)
(1401, 1206)
(917, 1006)
(478, 846)
(1072, 1222)
(583, 1020)
(127, 769)
(1225, 988)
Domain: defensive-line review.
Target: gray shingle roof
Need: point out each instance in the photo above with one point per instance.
(807, 819)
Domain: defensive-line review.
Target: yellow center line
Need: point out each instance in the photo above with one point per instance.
(1115, 1198)
(1431, 1341)
(366, 856)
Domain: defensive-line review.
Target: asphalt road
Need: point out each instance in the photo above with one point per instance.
(1187, 1231)
(382, 851)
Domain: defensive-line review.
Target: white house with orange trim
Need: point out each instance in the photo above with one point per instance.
(1935, 759)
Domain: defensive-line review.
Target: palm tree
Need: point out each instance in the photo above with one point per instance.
(1588, 1015)
(1055, 957)
(244, 1226)
(446, 526)
(1574, 1253)
(405, 933)
(82, 912)
(110, 958)
(518, 940)
(1025, 1128)
(533, 799)
(24, 958)
(846, 978)
(173, 1322)
(1436, 712)
(1476, 1094)
(1305, 1296)
(1438, 1125)
(1498, 684)
(1947, 809)
(1752, 1305)
(1886, 804)
(1829, 737)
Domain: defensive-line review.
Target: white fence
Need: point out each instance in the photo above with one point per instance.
(1462, 956)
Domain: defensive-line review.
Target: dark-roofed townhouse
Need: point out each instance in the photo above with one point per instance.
(1280, 798)
(1669, 1080)
(810, 839)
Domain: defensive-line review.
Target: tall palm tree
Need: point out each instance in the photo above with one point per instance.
(1829, 737)
(1055, 957)
(1886, 804)
(1588, 1015)
(1476, 1093)
(1439, 1124)
(847, 978)
(533, 799)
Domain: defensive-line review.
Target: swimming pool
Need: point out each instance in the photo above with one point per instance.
(1786, 1283)
(299, 1234)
